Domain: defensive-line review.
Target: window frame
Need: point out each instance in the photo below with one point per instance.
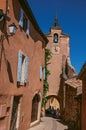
(24, 22)
(22, 72)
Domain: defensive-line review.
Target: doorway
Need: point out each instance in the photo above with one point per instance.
(35, 105)
(15, 113)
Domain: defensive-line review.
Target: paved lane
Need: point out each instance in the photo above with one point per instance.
(48, 123)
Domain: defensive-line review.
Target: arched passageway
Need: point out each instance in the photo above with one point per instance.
(52, 108)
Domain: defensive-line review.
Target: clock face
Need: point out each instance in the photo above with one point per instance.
(55, 50)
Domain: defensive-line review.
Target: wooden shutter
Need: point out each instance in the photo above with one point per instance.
(28, 27)
(40, 72)
(19, 72)
(21, 18)
(26, 69)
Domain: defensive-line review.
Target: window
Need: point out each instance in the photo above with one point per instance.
(15, 117)
(42, 73)
(55, 38)
(22, 74)
(24, 23)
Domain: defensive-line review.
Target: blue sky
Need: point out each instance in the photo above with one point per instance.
(72, 18)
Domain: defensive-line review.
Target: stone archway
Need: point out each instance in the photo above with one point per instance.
(53, 102)
(52, 106)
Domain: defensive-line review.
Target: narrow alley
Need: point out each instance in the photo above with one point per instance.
(39, 87)
(49, 123)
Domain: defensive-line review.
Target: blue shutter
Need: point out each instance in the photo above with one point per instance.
(44, 73)
(40, 72)
(19, 66)
(26, 69)
(28, 27)
(21, 18)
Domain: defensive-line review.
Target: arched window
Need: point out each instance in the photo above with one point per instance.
(55, 38)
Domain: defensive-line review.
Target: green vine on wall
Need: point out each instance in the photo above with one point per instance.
(47, 73)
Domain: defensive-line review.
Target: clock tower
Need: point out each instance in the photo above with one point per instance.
(59, 62)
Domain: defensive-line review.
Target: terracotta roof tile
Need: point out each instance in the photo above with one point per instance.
(74, 82)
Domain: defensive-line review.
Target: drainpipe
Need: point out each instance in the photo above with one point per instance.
(6, 6)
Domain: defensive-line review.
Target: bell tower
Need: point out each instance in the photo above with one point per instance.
(60, 49)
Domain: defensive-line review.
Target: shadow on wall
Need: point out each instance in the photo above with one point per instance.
(16, 9)
(2, 51)
(9, 72)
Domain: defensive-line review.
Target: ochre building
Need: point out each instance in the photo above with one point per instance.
(22, 48)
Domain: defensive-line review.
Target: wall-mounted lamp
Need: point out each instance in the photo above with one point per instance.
(12, 28)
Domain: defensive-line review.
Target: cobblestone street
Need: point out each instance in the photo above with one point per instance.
(48, 123)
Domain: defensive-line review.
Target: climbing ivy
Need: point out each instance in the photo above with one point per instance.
(47, 73)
